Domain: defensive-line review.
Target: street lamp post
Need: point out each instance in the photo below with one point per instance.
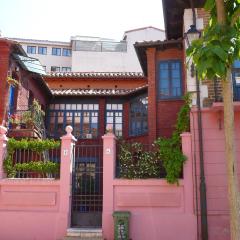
(190, 35)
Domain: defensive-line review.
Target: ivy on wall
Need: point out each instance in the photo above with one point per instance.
(35, 145)
(166, 157)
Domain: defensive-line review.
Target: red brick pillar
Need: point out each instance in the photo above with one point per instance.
(102, 111)
(152, 97)
(4, 66)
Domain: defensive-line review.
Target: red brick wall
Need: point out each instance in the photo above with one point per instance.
(152, 105)
(162, 114)
(4, 65)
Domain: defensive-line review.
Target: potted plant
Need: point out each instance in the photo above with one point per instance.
(27, 119)
(14, 120)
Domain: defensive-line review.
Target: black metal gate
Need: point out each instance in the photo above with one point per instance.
(87, 185)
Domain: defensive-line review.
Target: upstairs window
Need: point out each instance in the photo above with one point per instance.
(139, 116)
(82, 117)
(42, 50)
(56, 51)
(66, 69)
(169, 79)
(55, 69)
(31, 49)
(114, 117)
(66, 52)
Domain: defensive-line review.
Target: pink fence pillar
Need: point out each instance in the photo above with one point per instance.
(67, 146)
(109, 160)
(3, 148)
(188, 172)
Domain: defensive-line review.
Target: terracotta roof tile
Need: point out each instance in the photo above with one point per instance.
(96, 92)
(97, 74)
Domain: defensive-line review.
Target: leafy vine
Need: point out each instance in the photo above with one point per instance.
(38, 146)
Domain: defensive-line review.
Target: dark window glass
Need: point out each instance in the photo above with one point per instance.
(66, 69)
(31, 49)
(56, 51)
(83, 118)
(169, 84)
(55, 69)
(114, 114)
(42, 50)
(67, 52)
(138, 116)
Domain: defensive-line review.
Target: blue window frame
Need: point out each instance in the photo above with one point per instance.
(56, 51)
(83, 118)
(169, 79)
(114, 117)
(42, 50)
(31, 49)
(67, 52)
(236, 80)
(138, 116)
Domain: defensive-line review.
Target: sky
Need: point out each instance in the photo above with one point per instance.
(61, 19)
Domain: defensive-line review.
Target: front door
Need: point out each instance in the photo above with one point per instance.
(87, 186)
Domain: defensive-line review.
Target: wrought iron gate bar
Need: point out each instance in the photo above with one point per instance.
(87, 186)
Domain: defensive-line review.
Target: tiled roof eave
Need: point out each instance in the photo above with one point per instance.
(95, 75)
(96, 92)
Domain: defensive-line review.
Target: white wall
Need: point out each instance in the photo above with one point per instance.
(191, 81)
(49, 59)
(115, 61)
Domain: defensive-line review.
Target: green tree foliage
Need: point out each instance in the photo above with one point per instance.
(214, 53)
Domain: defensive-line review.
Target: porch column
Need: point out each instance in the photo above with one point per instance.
(109, 160)
(67, 153)
(126, 118)
(152, 99)
(102, 111)
(3, 148)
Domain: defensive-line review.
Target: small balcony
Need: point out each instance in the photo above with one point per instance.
(27, 122)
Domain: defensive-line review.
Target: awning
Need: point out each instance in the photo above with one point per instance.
(30, 64)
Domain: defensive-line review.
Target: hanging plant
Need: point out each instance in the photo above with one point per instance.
(12, 82)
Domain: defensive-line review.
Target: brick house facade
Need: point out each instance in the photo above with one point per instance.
(14, 63)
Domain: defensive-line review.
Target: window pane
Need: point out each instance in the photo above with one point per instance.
(77, 124)
(138, 116)
(170, 79)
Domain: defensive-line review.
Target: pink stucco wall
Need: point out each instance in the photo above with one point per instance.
(158, 210)
(29, 209)
(215, 166)
(36, 209)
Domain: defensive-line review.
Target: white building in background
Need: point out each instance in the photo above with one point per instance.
(91, 54)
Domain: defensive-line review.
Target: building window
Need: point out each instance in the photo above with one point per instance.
(236, 80)
(83, 118)
(45, 68)
(55, 69)
(42, 50)
(169, 79)
(66, 69)
(138, 116)
(67, 52)
(56, 51)
(114, 114)
(31, 49)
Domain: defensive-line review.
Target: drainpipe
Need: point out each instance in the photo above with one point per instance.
(203, 198)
